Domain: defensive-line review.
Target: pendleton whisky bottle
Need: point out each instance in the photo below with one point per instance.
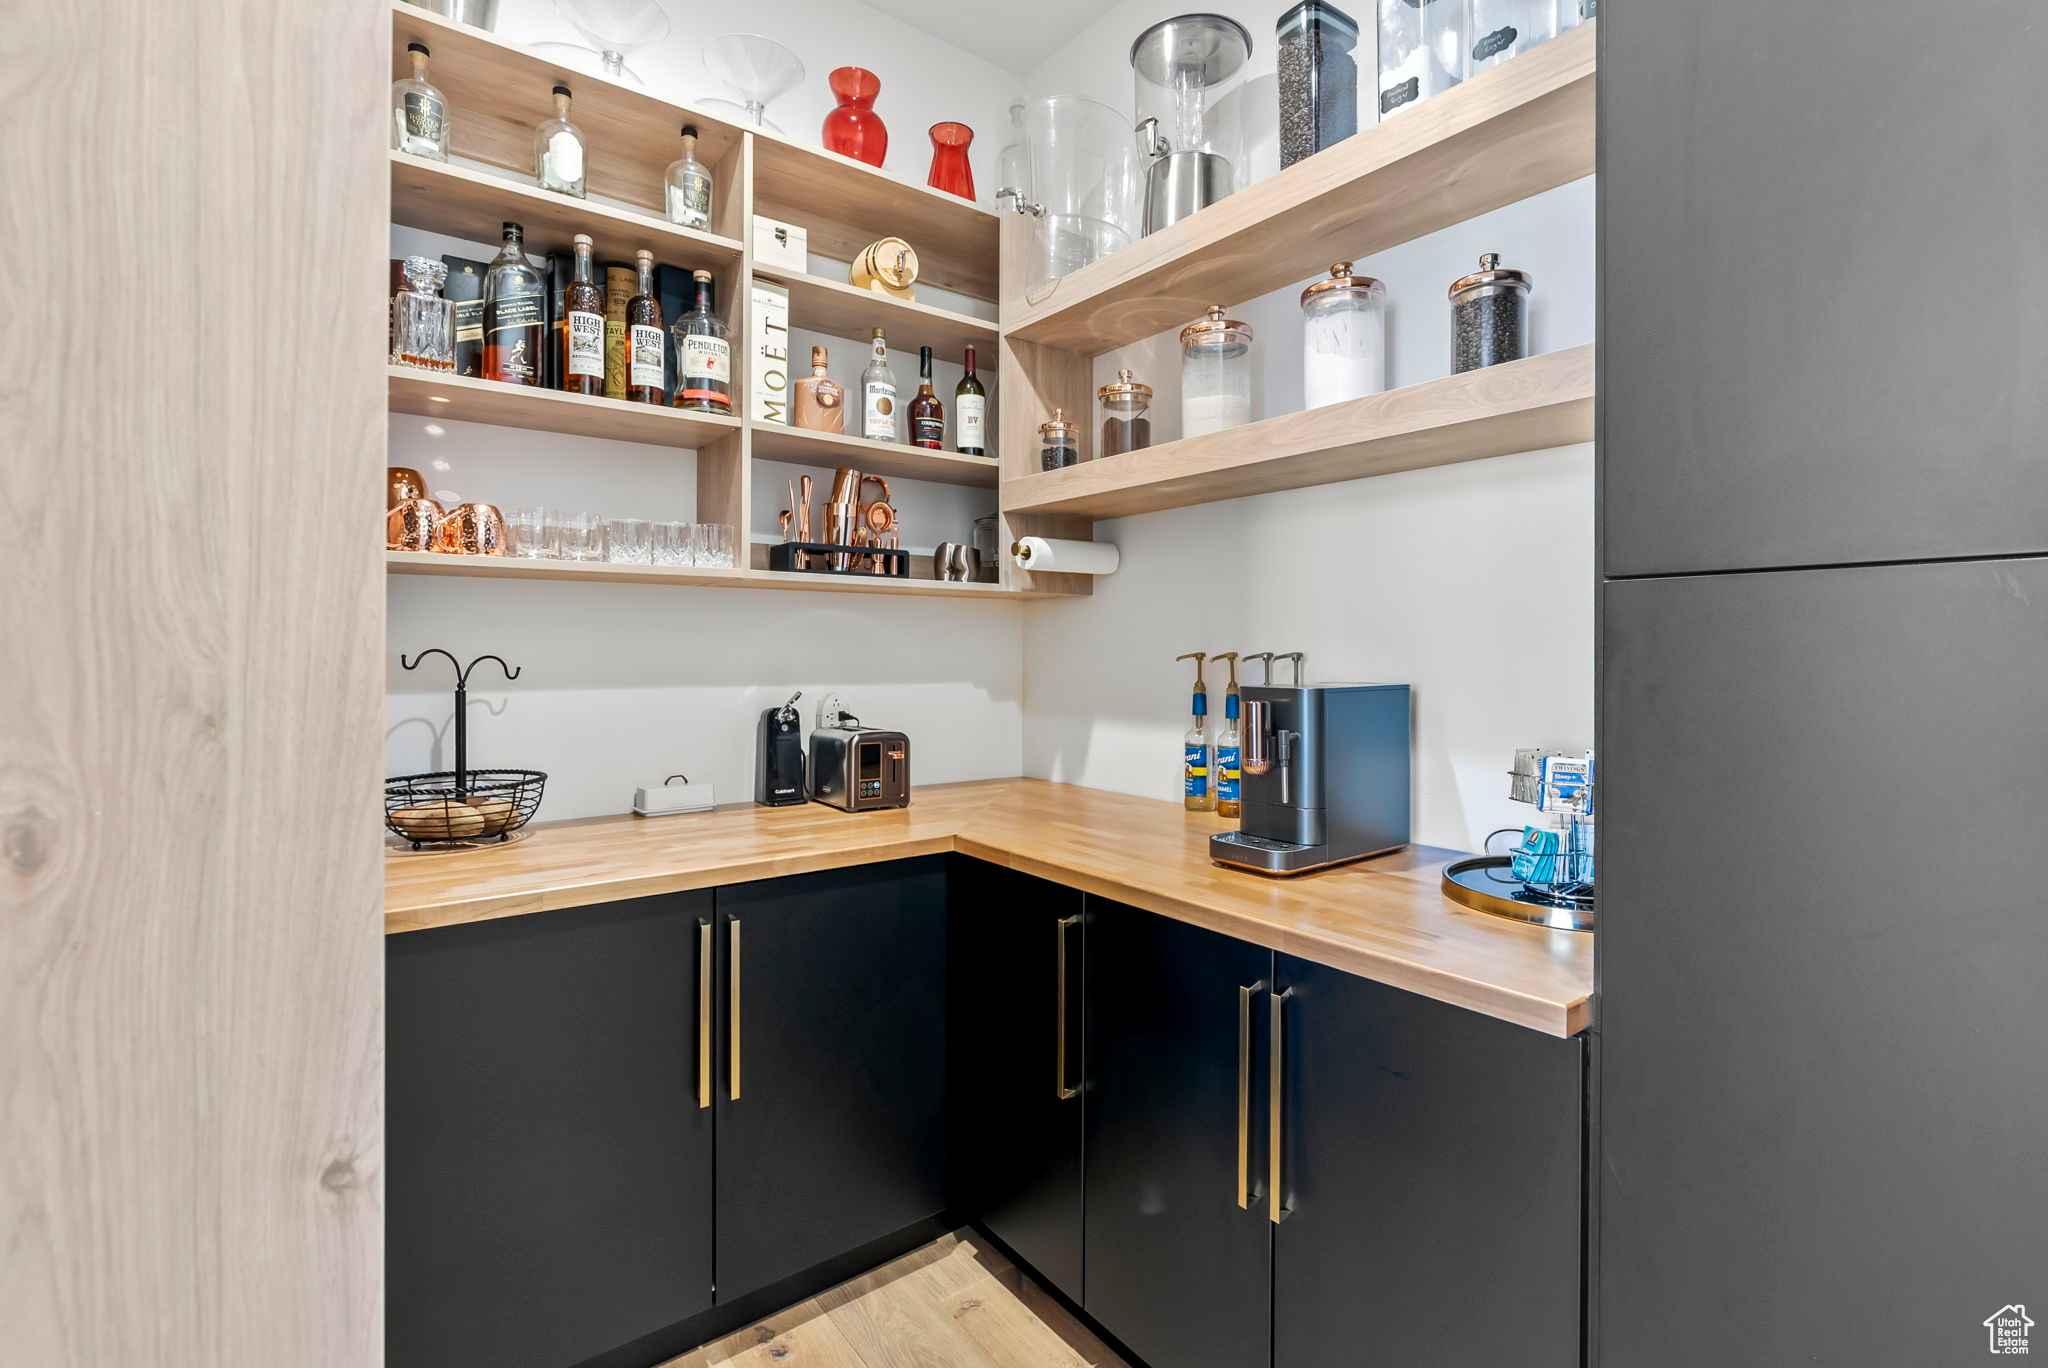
(581, 327)
(645, 359)
(703, 354)
(515, 314)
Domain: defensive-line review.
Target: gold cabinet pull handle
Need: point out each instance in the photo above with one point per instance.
(1275, 1206)
(703, 1014)
(733, 1089)
(1244, 1093)
(1061, 1089)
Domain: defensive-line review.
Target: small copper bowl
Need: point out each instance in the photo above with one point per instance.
(402, 483)
(472, 529)
(410, 525)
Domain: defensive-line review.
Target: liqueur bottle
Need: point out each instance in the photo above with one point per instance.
(703, 354)
(689, 186)
(878, 395)
(820, 403)
(581, 328)
(927, 414)
(970, 413)
(419, 116)
(559, 152)
(644, 356)
(515, 314)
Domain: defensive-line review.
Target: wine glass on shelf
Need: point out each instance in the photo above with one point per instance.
(611, 30)
(757, 70)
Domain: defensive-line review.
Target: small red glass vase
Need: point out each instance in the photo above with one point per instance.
(853, 129)
(950, 171)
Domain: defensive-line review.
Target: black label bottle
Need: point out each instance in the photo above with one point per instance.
(515, 314)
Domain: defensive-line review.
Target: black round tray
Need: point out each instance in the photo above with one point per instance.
(487, 804)
(1483, 884)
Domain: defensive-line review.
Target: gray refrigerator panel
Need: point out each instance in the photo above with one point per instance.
(1822, 341)
(1823, 965)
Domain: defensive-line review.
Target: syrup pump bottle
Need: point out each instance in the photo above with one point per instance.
(1229, 741)
(1197, 752)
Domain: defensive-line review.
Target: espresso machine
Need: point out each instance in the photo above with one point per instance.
(1325, 777)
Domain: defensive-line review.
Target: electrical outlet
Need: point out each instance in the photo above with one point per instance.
(829, 708)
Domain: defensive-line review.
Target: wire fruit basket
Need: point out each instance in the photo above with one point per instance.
(461, 805)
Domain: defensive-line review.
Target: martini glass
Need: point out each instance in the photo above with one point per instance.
(754, 68)
(612, 30)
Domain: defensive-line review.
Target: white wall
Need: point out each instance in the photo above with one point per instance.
(1473, 583)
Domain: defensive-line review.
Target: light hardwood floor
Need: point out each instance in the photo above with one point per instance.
(955, 1303)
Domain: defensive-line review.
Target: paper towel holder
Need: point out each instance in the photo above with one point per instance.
(1053, 555)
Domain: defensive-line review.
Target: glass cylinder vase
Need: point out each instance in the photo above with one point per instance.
(853, 129)
(950, 169)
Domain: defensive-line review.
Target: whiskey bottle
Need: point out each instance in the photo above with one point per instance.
(559, 151)
(820, 400)
(927, 414)
(689, 186)
(644, 358)
(582, 327)
(419, 116)
(970, 413)
(515, 314)
(703, 354)
(878, 395)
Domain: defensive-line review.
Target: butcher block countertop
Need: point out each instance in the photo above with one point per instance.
(1383, 919)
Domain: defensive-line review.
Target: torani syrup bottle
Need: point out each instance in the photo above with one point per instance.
(1229, 742)
(1197, 753)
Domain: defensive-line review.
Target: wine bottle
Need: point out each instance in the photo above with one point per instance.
(970, 413)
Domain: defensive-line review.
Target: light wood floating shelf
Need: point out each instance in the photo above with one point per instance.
(604, 572)
(516, 567)
(1524, 127)
(897, 460)
(474, 205)
(463, 400)
(1543, 401)
(839, 310)
(845, 205)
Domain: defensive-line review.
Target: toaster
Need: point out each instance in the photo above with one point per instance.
(858, 768)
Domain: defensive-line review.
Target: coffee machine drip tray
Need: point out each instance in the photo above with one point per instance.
(1263, 855)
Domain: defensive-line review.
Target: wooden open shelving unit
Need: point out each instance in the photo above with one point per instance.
(1543, 401)
(1519, 129)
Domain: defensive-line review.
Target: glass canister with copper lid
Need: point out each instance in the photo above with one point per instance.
(1489, 316)
(1124, 424)
(1059, 442)
(1344, 338)
(1215, 374)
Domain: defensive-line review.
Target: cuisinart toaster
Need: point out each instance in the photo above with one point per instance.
(858, 768)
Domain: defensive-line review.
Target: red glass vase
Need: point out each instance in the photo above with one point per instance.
(853, 129)
(950, 171)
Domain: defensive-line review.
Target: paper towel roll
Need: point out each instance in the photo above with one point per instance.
(1065, 557)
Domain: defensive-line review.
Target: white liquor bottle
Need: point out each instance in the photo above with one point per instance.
(878, 395)
(419, 116)
(559, 152)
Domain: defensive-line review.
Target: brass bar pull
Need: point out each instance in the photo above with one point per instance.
(1244, 1094)
(1061, 1088)
(1275, 1206)
(703, 1014)
(733, 1089)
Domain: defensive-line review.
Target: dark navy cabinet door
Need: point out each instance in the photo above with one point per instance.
(1175, 1268)
(1823, 962)
(1431, 1163)
(1820, 340)
(1018, 1090)
(837, 1052)
(549, 1171)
